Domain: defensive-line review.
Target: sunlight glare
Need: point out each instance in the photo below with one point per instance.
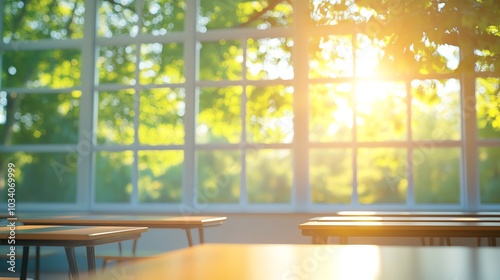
(360, 262)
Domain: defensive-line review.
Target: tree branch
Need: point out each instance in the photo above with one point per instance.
(256, 16)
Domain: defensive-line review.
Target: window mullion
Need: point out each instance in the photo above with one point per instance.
(469, 167)
(88, 116)
(191, 58)
(301, 195)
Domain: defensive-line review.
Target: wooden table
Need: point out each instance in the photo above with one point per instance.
(186, 223)
(68, 237)
(417, 213)
(314, 262)
(416, 217)
(321, 230)
(404, 219)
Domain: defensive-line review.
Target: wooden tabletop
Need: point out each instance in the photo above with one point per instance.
(418, 213)
(313, 262)
(401, 229)
(406, 218)
(69, 235)
(151, 221)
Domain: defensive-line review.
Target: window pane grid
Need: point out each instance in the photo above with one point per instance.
(228, 116)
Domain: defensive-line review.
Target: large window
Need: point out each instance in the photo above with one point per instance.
(250, 105)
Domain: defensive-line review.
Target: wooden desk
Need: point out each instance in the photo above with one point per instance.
(404, 218)
(416, 214)
(321, 230)
(414, 217)
(314, 262)
(186, 223)
(68, 237)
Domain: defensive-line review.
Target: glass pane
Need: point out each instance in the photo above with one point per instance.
(436, 175)
(269, 176)
(117, 65)
(39, 118)
(368, 52)
(162, 63)
(489, 174)
(219, 116)
(49, 19)
(331, 114)
(221, 60)
(219, 176)
(32, 69)
(269, 114)
(117, 18)
(330, 57)
(163, 16)
(269, 59)
(161, 118)
(262, 14)
(115, 120)
(330, 175)
(382, 175)
(40, 177)
(486, 59)
(113, 178)
(436, 110)
(381, 111)
(488, 107)
(160, 176)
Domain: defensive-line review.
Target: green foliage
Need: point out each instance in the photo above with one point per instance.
(43, 177)
(42, 19)
(218, 175)
(160, 176)
(113, 177)
(331, 176)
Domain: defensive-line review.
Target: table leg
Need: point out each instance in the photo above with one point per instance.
(91, 259)
(202, 237)
(134, 246)
(342, 240)
(24, 262)
(492, 241)
(37, 263)
(422, 240)
(188, 234)
(73, 265)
